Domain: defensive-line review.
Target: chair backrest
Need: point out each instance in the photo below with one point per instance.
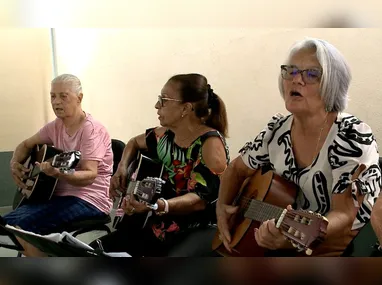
(117, 147)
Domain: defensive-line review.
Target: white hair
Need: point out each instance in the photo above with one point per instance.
(336, 75)
(69, 78)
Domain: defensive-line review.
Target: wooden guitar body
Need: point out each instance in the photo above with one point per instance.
(266, 187)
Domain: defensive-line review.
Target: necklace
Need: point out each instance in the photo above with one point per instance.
(184, 139)
(315, 152)
(319, 138)
(192, 134)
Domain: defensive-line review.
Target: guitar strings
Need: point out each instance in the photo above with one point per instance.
(264, 211)
(246, 204)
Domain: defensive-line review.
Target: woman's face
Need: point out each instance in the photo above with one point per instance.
(302, 90)
(169, 105)
(65, 102)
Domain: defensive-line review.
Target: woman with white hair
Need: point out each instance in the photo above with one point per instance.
(78, 196)
(318, 147)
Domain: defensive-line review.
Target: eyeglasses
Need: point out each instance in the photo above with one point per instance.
(161, 99)
(309, 76)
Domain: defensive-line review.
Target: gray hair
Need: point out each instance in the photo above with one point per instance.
(69, 78)
(336, 75)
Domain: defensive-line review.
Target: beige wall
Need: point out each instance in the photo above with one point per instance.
(25, 73)
(124, 70)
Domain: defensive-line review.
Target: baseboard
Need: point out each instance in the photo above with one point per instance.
(5, 209)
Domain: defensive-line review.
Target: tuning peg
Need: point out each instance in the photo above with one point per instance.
(308, 251)
(318, 214)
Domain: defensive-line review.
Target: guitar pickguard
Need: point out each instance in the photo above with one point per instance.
(40, 187)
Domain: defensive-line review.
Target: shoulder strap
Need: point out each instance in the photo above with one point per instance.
(197, 149)
(210, 134)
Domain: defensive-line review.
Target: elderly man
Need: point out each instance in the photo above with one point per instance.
(81, 195)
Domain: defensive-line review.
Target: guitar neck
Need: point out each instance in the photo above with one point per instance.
(129, 190)
(37, 169)
(131, 186)
(260, 211)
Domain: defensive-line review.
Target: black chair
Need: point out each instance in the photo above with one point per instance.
(118, 147)
(197, 243)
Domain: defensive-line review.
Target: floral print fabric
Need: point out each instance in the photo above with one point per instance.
(185, 172)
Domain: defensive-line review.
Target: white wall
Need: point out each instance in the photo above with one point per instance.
(123, 71)
(25, 74)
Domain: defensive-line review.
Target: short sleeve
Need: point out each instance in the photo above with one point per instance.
(47, 132)
(355, 145)
(94, 142)
(203, 181)
(255, 153)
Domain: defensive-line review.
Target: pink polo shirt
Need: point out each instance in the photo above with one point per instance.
(94, 142)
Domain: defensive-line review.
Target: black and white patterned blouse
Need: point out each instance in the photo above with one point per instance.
(349, 143)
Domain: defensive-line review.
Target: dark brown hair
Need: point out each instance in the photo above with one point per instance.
(194, 88)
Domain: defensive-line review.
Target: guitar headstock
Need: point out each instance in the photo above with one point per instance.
(66, 161)
(304, 229)
(148, 189)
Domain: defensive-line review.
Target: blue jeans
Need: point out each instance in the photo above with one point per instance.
(52, 216)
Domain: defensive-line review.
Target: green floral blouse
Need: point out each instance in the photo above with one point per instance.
(186, 172)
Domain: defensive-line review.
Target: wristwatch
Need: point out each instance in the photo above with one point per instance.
(165, 211)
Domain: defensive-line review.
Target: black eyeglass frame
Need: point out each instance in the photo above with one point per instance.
(303, 73)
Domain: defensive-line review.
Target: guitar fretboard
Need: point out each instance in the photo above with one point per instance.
(260, 211)
(131, 186)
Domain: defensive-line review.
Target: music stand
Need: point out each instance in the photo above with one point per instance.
(7, 239)
(50, 247)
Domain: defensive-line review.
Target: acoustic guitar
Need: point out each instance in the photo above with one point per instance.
(40, 187)
(265, 196)
(144, 181)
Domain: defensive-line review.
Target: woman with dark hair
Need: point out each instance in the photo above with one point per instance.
(191, 145)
